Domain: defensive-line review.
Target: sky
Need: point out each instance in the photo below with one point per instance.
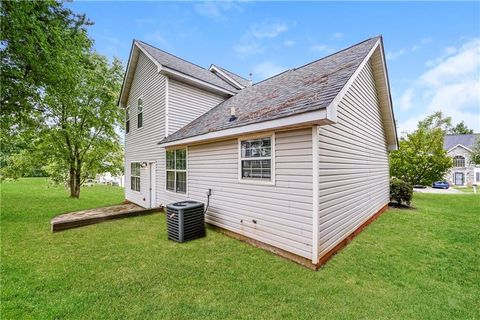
(432, 48)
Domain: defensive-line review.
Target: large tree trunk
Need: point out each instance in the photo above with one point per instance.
(75, 181)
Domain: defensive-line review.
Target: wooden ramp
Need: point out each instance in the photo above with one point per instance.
(97, 215)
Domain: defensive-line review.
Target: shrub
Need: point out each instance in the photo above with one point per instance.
(400, 191)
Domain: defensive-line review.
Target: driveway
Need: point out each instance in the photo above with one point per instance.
(444, 191)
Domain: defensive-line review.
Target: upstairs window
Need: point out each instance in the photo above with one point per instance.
(139, 112)
(256, 162)
(176, 170)
(127, 119)
(135, 176)
(458, 161)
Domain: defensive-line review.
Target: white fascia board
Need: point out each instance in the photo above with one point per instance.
(134, 53)
(308, 118)
(193, 80)
(390, 105)
(127, 72)
(214, 68)
(332, 107)
(460, 145)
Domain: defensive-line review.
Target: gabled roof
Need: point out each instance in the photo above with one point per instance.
(173, 62)
(465, 140)
(175, 67)
(235, 79)
(297, 91)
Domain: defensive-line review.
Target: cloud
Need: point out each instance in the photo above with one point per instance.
(289, 43)
(267, 69)
(217, 10)
(322, 48)
(268, 30)
(405, 101)
(158, 39)
(253, 41)
(338, 35)
(451, 86)
(403, 51)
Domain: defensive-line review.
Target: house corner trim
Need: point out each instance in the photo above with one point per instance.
(315, 193)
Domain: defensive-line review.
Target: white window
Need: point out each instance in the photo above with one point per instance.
(458, 161)
(127, 119)
(256, 159)
(176, 170)
(140, 112)
(135, 176)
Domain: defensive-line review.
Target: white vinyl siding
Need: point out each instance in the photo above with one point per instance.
(283, 212)
(141, 143)
(186, 103)
(353, 164)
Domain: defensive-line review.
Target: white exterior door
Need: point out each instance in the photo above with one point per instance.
(152, 185)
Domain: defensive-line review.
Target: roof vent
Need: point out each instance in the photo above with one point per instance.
(232, 115)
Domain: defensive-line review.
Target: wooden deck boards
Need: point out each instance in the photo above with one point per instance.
(97, 215)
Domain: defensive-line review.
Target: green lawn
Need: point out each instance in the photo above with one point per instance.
(467, 189)
(421, 264)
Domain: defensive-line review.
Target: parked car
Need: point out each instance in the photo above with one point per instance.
(441, 185)
(419, 186)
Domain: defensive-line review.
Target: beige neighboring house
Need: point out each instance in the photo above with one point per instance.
(296, 164)
(464, 172)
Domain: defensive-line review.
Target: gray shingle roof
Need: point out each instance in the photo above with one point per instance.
(185, 67)
(308, 88)
(244, 82)
(466, 140)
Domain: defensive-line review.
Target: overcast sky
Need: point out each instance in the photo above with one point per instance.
(433, 48)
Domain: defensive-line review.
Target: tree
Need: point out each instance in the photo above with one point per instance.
(476, 152)
(436, 121)
(421, 159)
(39, 39)
(58, 96)
(80, 138)
(460, 128)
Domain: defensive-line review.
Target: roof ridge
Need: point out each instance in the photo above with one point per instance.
(337, 52)
(312, 62)
(230, 72)
(156, 48)
(462, 134)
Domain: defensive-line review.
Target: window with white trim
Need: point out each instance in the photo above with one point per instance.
(135, 176)
(176, 170)
(459, 161)
(140, 112)
(127, 119)
(256, 159)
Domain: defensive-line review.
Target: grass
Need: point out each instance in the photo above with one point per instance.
(412, 264)
(468, 189)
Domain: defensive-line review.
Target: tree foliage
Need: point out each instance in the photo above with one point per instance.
(38, 40)
(421, 158)
(58, 96)
(460, 128)
(436, 120)
(476, 152)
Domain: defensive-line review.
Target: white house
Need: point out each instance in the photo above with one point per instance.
(296, 164)
(464, 171)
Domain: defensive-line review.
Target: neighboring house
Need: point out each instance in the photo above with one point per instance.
(464, 172)
(296, 164)
(108, 178)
